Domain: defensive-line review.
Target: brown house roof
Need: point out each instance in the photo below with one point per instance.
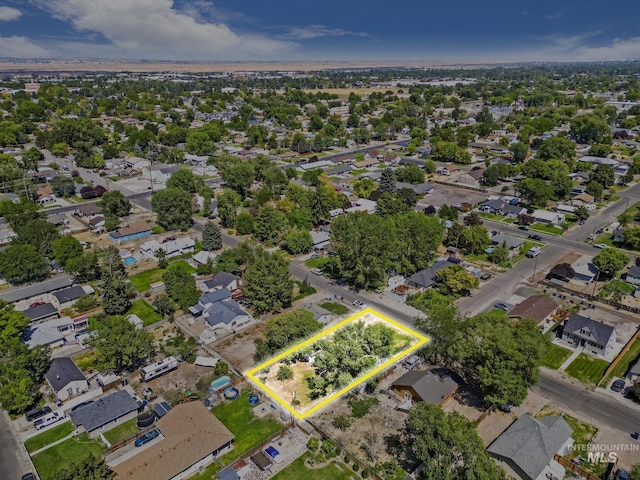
(431, 386)
(191, 433)
(537, 307)
(135, 227)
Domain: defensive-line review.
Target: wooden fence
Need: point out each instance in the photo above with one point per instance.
(576, 469)
(618, 358)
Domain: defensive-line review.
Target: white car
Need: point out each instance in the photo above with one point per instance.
(359, 304)
(316, 271)
(601, 245)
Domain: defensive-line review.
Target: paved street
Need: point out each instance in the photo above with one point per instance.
(12, 462)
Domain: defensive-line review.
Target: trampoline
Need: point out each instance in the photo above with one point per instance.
(231, 393)
(272, 452)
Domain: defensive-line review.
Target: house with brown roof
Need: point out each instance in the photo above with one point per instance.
(447, 170)
(367, 163)
(131, 232)
(536, 307)
(435, 385)
(193, 438)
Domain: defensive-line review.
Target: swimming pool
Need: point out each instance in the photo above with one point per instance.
(218, 383)
(130, 260)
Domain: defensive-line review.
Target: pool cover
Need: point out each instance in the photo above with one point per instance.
(271, 451)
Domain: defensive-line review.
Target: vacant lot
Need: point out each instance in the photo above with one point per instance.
(55, 459)
(587, 369)
(444, 195)
(248, 429)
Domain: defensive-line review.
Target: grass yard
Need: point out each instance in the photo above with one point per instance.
(358, 172)
(123, 431)
(248, 429)
(497, 313)
(157, 229)
(316, 262)
(491, 216)
(627, 360)
(142, 281)
(52, 460)
(359, 408)
(208, 473)
(587, 369)
(86, 361)
(555, 357)
(297, 470)
(335, 308)
(303, 290)
(550, 229)
(48, 437)
(145, 311)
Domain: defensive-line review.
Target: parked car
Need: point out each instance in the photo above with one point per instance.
(316, 271)
(146, 438)
(534, 252)
(485, 276)
(618, 386)
(535, 236)
(36, 413)
(601, 245)
(623, 474)
(28, 476)
(592, 236)
(502, 306)
(523, 227)
(359, 304)
(48, 419)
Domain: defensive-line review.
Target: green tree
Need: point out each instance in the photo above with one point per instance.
(270, 224)
(211, 237)
(535, 191)
(475, 239)
(285, 372)
(363, 187)
(268, 284)
(450, 152)
(23, 263)
(456, 281)
(228, 204)
(387, 181)
(66, 248)
(595, 189)
(164, 306)
(283, 330)
(447, 445)
(245, 223)
(184, 179)
(239, 177)
(389, 204)
(297, 241)
(632, 237)
(30, 159)
(199, 143)
(173, 208)
(610, 261)
(495, 173)
(91, 468)
(114, 204)
(519, 152)
(63, 186)
(499, 255)
(590, 129)
(161, 255)
(581, 213)
(181, 286)
(116, 294)
(419, 236)
(119, 344)
(84, 268)
(557, 147)
(410, 173)
(448, 212)
(313, 177)
(603, 174)
(38, 233)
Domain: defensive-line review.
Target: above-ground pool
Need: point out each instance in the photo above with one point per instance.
(219, 383)
(231, 393)
(130, 260)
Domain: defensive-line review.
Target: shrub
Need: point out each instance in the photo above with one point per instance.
(356, 467)
(342, 422)
(365, 473)
(347, 458)
(285, 372)
(313, 444)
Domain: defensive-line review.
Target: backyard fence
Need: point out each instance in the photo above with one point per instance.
(576, 469)
(618, 358)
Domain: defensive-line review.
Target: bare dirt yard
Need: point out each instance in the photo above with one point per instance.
(239, 349)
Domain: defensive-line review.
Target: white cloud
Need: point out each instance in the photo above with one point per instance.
(618, 49)
(555, 16)
(20, 47)
(317, 31)
(155, 29)
(8, 14)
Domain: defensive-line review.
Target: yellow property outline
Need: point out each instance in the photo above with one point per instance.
(251, 374)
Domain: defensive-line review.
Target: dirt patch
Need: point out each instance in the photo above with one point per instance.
(293, 388)
(239, 349)
(185, 377)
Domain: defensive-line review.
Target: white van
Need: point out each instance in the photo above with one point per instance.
(534, 252)
(49, 419)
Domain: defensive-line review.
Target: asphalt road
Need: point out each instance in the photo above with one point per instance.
(11, 462)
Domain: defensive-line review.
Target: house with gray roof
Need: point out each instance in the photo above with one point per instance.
(321, 314)
(511, 242)
(634, 371)
(593, 335)
(32, 292)
(67, 297)
(43, 311)
(224, 280)
(227, 315)
(105, 413)
(526, 448)
(427, 277)
(320, 240)
(633, 276)
(66, 379)
(435, 385)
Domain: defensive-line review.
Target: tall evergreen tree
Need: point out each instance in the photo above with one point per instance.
(268, 284)
(387, 181)
(211, 237)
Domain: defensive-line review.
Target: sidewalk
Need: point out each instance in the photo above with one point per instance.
(571, 358)
(46, 447)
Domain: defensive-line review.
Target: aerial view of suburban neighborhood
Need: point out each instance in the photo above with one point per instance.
(312, 265)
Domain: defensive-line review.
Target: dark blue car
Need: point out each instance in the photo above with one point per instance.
(147, 437)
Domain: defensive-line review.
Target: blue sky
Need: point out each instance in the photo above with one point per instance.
(488, 30)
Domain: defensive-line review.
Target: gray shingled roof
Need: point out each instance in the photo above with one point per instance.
(222, 279)
(601, 332)
(105, 410)
(62, 372)
(531, 443)
(40, 311)
(511, 241)
(425, 278)
(431, 385)
(69, 294)
(40, 288)
(223, 312)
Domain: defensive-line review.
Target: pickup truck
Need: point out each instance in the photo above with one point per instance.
(534, 252)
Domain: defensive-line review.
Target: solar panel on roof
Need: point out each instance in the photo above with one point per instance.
(161, 409)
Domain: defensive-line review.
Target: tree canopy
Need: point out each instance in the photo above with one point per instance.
(173, 208)
(119, 345)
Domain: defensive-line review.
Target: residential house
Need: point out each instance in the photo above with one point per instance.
(160, 173)
(10, 196)
(87, 210)
(419, 189)
(527, 447)
(58, 219)
(41, 312)
(221, 281)
(634, 371)
(511, 242)
(172, 248)
(321, 240)
(227, 316)
(134, 231)
(368, 163)
(633, 276)
(137, 163)
(585, 200)
(36, 292)
(427, 277)
(96, 224)
(66, 379)
(106, 413)
(69, 296)
(447, 170)
(435, 385)
(584, 268)
(321, 314)
(499, 206)
(192, 438)
(536, 307)
(202, 257)
(598, 160)
(585, 332)
(6, 234)
(340, 170)
(362, 205)
(54, 332)
(473, 177)
(45, 196)
(548, 218)
(580, 177)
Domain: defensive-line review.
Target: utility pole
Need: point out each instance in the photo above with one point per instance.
(535, 266)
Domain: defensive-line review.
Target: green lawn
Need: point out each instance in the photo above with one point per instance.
(546, 229)
(627, 360)
(496, 313)
(316, 262)
(86, 360)
(142, 281)
(587, 369)
(52, 460)
(48, 437)
(298, 471)
(303, 291)
(145, 311)
(335, 308)
(358, 172)
(606, 238)
(123, 431)
(555, 356)
(491, 216)
(208, 473)
(248, 429)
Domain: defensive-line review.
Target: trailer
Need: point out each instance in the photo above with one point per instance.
(159, 368)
